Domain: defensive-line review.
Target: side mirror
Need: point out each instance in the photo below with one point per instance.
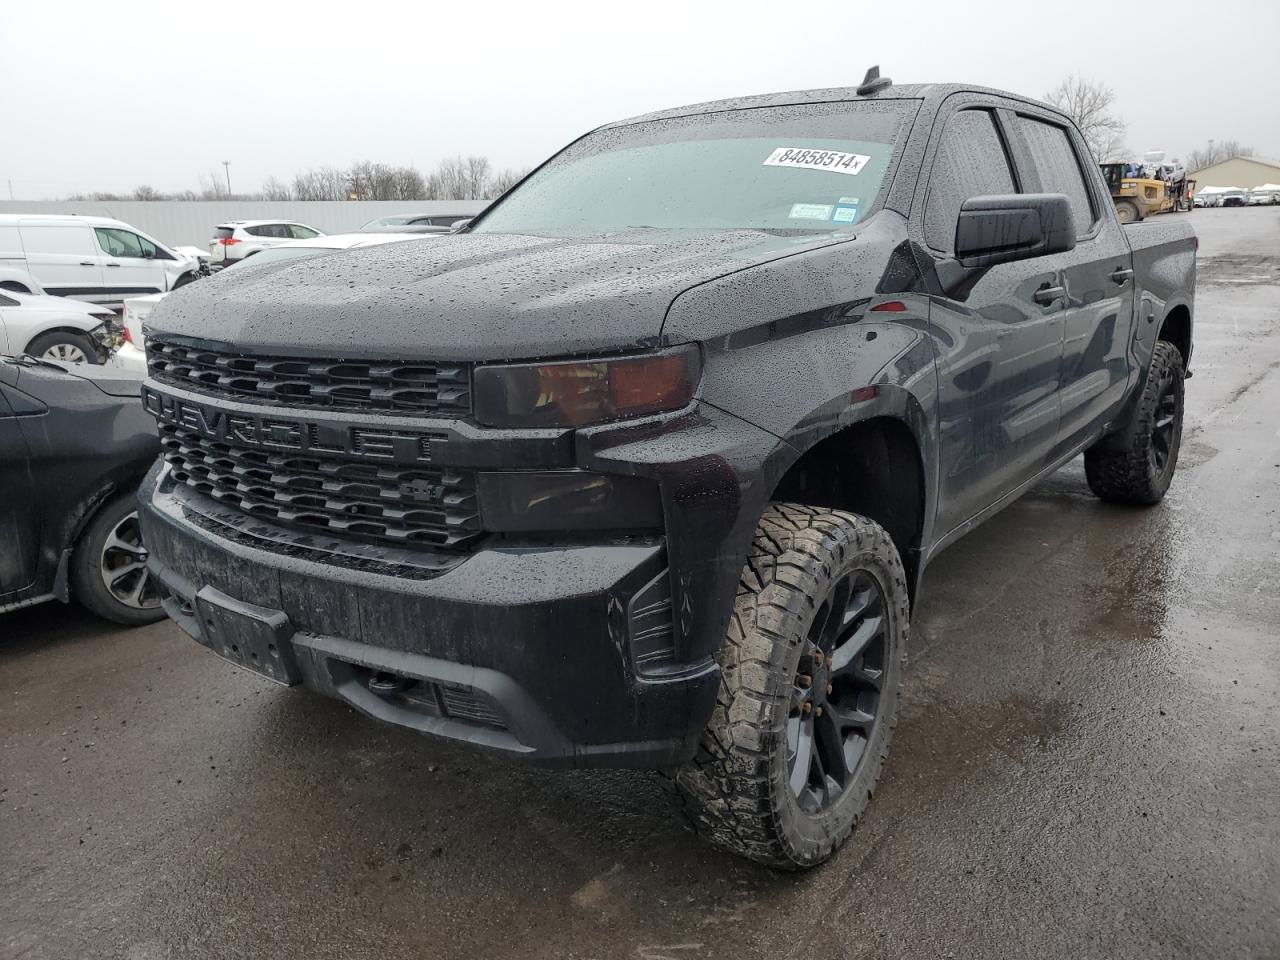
(459, 224)
(1017, 226)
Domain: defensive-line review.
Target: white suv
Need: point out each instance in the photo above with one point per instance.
(236, 239)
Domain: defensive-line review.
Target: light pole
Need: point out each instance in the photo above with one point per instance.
(226, 165)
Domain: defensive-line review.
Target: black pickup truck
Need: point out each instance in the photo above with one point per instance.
(643, 466)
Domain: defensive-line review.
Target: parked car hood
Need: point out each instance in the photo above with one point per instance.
(469, 296)
(62, 306)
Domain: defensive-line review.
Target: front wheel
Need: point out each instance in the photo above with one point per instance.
(1127, 212)
(1136, 467)
(810, 678)
(109, 573)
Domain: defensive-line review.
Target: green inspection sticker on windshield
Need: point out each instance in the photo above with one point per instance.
(810, 211)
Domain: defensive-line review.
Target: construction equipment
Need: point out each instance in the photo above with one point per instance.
(1140, 191)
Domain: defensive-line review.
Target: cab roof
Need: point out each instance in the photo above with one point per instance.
(914, 91)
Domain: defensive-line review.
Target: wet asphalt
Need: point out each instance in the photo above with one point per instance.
(1087, 765)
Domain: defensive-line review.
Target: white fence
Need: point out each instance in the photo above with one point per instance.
(191, 222)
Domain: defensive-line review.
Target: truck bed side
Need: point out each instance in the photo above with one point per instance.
(1164, 266)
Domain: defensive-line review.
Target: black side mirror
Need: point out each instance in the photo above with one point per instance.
(1017, 226)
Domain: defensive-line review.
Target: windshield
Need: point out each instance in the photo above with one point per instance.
(392, 221)
(810, 167)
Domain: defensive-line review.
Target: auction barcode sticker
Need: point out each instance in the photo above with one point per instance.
(835, 161)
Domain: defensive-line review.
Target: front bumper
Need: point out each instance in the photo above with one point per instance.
(570, 648)
(519, 650)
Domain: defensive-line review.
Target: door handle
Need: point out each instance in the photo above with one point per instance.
(1048, 294)
(112, 264)
(1122, 275)
(86, 263)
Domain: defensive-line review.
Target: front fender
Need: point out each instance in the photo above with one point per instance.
(806, 388)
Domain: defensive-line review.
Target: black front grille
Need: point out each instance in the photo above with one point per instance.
(381, 386)
(405, 506)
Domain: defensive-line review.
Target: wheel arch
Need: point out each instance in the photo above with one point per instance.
(59, 328)
(71, 535)
(876, 463)
(1175, 328)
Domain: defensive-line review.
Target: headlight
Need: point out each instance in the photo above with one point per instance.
(577, 393)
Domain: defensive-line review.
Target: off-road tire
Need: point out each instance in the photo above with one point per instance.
(39, 345)
(736, 791)
(85, 571)
(1125, 468)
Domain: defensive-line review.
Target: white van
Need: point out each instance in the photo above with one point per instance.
(87, 258)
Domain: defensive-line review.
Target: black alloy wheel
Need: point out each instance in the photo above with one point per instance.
(835, 702)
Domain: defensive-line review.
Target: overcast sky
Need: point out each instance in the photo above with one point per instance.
(104, 96)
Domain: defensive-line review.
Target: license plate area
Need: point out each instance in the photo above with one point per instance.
(256, 638)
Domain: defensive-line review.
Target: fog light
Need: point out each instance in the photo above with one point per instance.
(526, 501)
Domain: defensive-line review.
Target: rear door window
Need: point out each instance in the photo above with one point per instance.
(971, 162)
(1058, 168)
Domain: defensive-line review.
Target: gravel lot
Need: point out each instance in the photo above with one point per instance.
(1088, 763)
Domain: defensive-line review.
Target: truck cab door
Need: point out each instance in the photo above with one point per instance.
(1097, 278)
(999, 344)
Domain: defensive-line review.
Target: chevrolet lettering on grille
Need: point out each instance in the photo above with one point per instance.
(278, 433)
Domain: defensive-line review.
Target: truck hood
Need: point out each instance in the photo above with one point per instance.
(469, 296)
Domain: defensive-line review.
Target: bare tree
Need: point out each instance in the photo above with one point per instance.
(325, 183)
(477, 180)
(1216, 153)
(1090, 104)
(273, 189)
(213, 187)
(500, 183)
(454, 178)
(409, 184)
(449, 180)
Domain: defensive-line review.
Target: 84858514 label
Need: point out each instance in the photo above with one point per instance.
(835, 161)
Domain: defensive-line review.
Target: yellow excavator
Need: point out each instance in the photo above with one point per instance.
(1138, 197)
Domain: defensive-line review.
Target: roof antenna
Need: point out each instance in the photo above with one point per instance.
(873, 82)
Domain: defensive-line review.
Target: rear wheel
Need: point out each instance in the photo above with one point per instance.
(1127, 212)
(1137, 466)
(14, 286)
(64, 346)
(109, 575)
(810, 677)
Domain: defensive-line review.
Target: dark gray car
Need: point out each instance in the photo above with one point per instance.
(74, 444)
(643, 467)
